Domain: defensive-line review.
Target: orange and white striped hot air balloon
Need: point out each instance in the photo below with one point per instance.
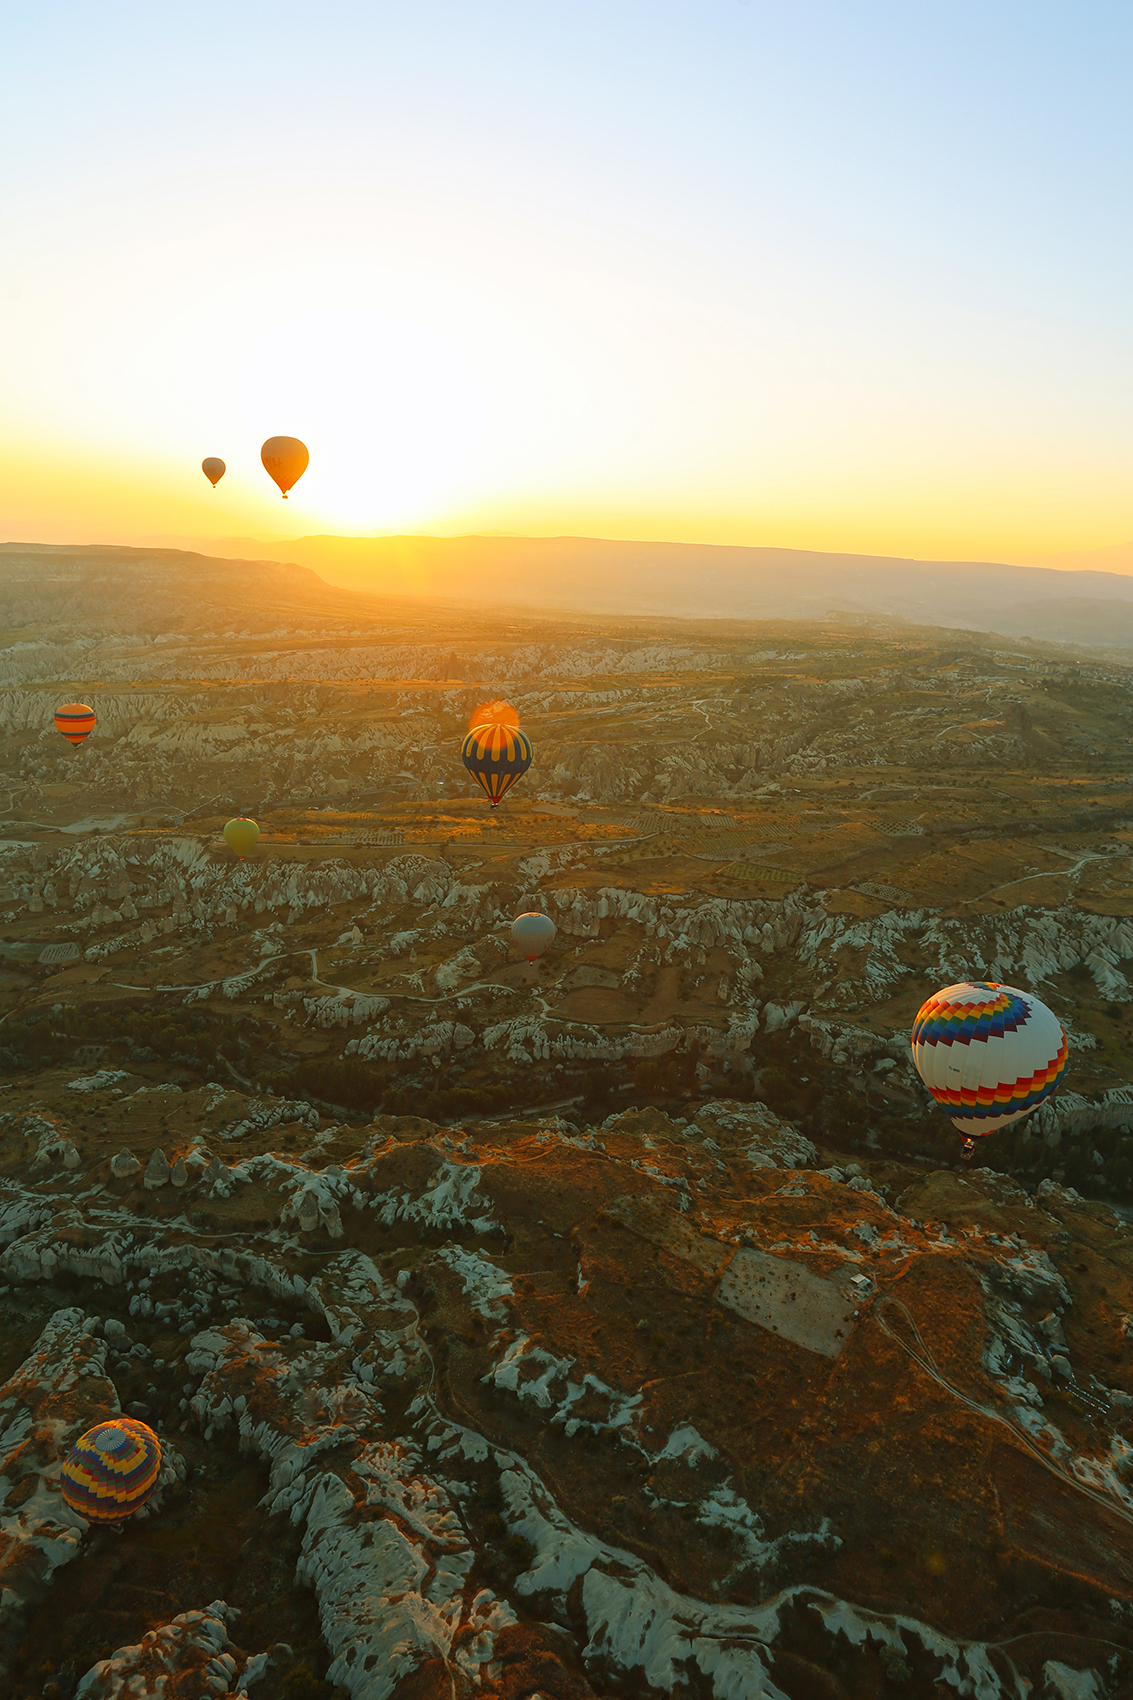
(75, 720)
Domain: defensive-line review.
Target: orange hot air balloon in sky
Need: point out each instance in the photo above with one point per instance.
(285, 459)
(214, 469)
(75, 720)
(493, 714)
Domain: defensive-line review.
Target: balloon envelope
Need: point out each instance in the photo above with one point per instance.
(111, 1470)
(496, 756)
(988, 1053)
(532, 934)
(493, 714)
(75, 720)
(240, 835)
(214, 469)
(285, 459)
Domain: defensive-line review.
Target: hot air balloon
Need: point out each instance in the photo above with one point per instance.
(75, 720)
(493, 714)
(988, 1054)
(285, 459)
(214, 469)
(496, 756)
(241, 834)
(111, 1470)
(532, 933)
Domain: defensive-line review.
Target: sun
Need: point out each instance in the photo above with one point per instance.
(388, 408)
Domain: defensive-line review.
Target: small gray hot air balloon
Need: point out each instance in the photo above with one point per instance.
(213, 468)
(532, 934)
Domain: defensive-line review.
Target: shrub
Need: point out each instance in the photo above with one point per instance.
(301, 1683)
(895, 1665)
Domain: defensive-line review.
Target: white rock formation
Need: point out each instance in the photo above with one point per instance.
(44, 1407)
(157, 1171)
(191, 1651)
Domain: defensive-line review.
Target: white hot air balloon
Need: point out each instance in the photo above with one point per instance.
(532, 934)
(988, 1054)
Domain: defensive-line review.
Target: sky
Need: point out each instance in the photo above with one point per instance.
(833, 274)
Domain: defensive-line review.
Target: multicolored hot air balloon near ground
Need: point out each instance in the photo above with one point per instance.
(496, 756)
(286, 460)
(988, 1054)
(75, 720)
(214, 469)
(241, 834)
(532, 933)
(111, 1470)
(493, 714)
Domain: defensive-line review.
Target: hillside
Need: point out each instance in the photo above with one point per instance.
(614, 1325)
(715, 581)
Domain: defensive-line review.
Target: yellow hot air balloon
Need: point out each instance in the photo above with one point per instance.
(285, 459)
(241, 834)
(214, 469)
(496, 756)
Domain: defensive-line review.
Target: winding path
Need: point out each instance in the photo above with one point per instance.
(921, 1356)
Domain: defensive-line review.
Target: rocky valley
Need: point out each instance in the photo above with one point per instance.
(621, 1323)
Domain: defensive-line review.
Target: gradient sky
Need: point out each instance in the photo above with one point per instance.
(845, 275)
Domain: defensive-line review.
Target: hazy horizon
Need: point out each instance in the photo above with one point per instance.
(1113, 558)
(578, 576)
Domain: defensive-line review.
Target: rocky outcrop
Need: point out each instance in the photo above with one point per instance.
(189, 1656)
(55, 1395)
(435, 1038)
(157, 1171)
(1024, 947)
(383, 1547)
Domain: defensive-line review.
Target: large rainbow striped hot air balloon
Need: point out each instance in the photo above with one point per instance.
(75, 720)
(988, 1054)
(496, 756)
(111, 1470)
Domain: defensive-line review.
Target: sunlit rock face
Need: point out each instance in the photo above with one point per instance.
(607, 1402)
(614, 1324)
